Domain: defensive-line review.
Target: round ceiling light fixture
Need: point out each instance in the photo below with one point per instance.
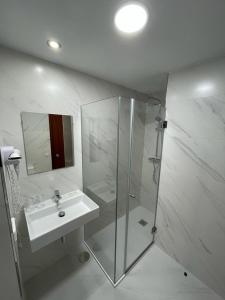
(54, 44)
(131, 18)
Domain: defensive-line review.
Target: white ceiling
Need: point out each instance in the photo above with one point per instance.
(179, 33)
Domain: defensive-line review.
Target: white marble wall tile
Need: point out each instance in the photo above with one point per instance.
(191, 213)
(31, 84)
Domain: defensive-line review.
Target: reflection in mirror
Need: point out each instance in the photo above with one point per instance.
(48, 141)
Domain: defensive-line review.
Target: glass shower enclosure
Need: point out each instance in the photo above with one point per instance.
(121, 149)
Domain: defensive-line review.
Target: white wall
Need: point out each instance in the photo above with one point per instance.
(191, 212)
(30, 84)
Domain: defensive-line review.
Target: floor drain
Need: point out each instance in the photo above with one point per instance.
(143, 222)
(83, 257)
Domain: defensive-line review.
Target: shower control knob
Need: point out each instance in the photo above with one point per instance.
(164, 124)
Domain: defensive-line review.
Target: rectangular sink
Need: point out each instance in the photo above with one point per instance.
(45, 225)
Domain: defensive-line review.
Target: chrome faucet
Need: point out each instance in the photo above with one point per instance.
(57, 197)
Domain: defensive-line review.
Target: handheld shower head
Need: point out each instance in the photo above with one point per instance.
(15, 158)
(11, 156)
(15, 155)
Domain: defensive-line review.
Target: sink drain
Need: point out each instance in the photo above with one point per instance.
(83, 257)
(61, 214)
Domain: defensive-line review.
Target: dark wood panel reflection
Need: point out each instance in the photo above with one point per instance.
(57, 141)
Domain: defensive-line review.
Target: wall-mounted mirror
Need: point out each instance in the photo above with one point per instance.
(48, 141)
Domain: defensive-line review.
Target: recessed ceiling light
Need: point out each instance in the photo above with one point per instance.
(54, 44)
(39, 69)
(205, 87)
(131, 18)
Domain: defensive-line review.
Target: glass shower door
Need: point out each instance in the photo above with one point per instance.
(144, 167)
(99, 153)
(121, 151)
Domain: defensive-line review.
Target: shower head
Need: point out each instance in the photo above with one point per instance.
(14, 158)
(15, 155)
(155, 101)
(11, 156)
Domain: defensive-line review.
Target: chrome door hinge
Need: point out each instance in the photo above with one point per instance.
(154, 229)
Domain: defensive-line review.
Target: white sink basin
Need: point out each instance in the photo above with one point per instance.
(45, 225)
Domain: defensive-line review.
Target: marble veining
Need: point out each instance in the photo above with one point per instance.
(56, 90)
(191, 212)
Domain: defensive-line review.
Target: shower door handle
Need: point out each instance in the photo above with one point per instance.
(132, 196)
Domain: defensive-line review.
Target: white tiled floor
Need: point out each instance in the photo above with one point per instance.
(155, 277)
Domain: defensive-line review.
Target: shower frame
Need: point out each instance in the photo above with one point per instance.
(158, 153)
